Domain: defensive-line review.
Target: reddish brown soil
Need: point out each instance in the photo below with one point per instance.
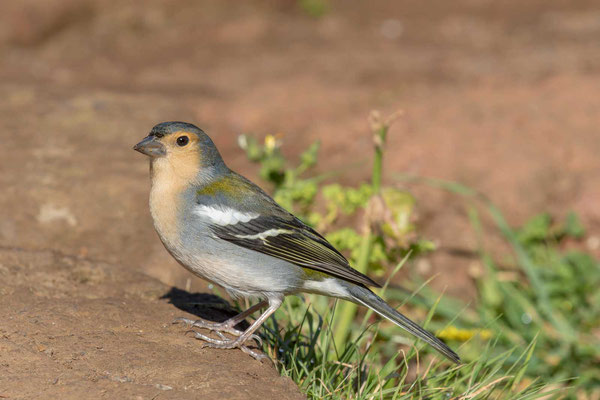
(501, 96)
(75, 328)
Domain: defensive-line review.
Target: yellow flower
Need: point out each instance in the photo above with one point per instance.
(462, 335)
(271, 142)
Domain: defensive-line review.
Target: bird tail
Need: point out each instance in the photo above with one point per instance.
(367, 298)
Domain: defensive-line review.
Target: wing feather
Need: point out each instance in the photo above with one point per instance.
(291, 240)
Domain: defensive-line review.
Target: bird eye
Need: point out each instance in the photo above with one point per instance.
(182, 141)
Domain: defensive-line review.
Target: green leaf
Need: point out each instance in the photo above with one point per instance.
(536, 229)
(573, 227)
(309, 157)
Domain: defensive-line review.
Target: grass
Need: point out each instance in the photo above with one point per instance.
(544, 291)
(305, 350)
(521, 341)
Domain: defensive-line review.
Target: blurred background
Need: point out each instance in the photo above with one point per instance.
(501, 96)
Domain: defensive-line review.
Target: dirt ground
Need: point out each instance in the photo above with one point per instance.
(75, 328)
(501, 96)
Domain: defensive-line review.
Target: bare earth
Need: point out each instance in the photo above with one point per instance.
(501, 96)
(76, 328)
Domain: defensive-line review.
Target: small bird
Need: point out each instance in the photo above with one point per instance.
(226, 230)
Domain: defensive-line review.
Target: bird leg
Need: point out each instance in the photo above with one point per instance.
(227, 326)
(248, 334)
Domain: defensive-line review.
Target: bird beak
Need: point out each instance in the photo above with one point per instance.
(151, 147)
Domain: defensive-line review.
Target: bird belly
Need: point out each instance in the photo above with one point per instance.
(242, 272)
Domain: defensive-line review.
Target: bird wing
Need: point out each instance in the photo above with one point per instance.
(289, 239)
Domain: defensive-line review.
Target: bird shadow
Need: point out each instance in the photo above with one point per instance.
(205, 306)
(213, 308)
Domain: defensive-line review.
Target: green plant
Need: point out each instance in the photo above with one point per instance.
(314, 8)
(543, 291)
(554, 292)
(533, 331)
(300, 339)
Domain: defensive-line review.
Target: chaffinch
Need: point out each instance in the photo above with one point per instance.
(225, 229)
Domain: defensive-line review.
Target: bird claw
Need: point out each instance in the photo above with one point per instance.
(217, 342)
(257, 339)
(185, 321)
(254, 354)
(211, 326)
(223, 342)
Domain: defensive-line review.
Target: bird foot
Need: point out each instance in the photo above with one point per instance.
(226, 343)
(220, 328)
(212, 326)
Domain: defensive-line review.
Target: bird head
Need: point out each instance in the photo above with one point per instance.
(180, 142)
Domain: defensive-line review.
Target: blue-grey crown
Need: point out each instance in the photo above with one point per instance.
(166, 128)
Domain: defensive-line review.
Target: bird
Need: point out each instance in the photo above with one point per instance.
(228, 231)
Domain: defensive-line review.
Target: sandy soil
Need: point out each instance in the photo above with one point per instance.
(74, 328)
(502, 96)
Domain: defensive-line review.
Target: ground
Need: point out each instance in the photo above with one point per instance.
(501, 96)
(75, 328)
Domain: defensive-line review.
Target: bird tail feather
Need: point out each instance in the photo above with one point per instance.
(367, 298)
